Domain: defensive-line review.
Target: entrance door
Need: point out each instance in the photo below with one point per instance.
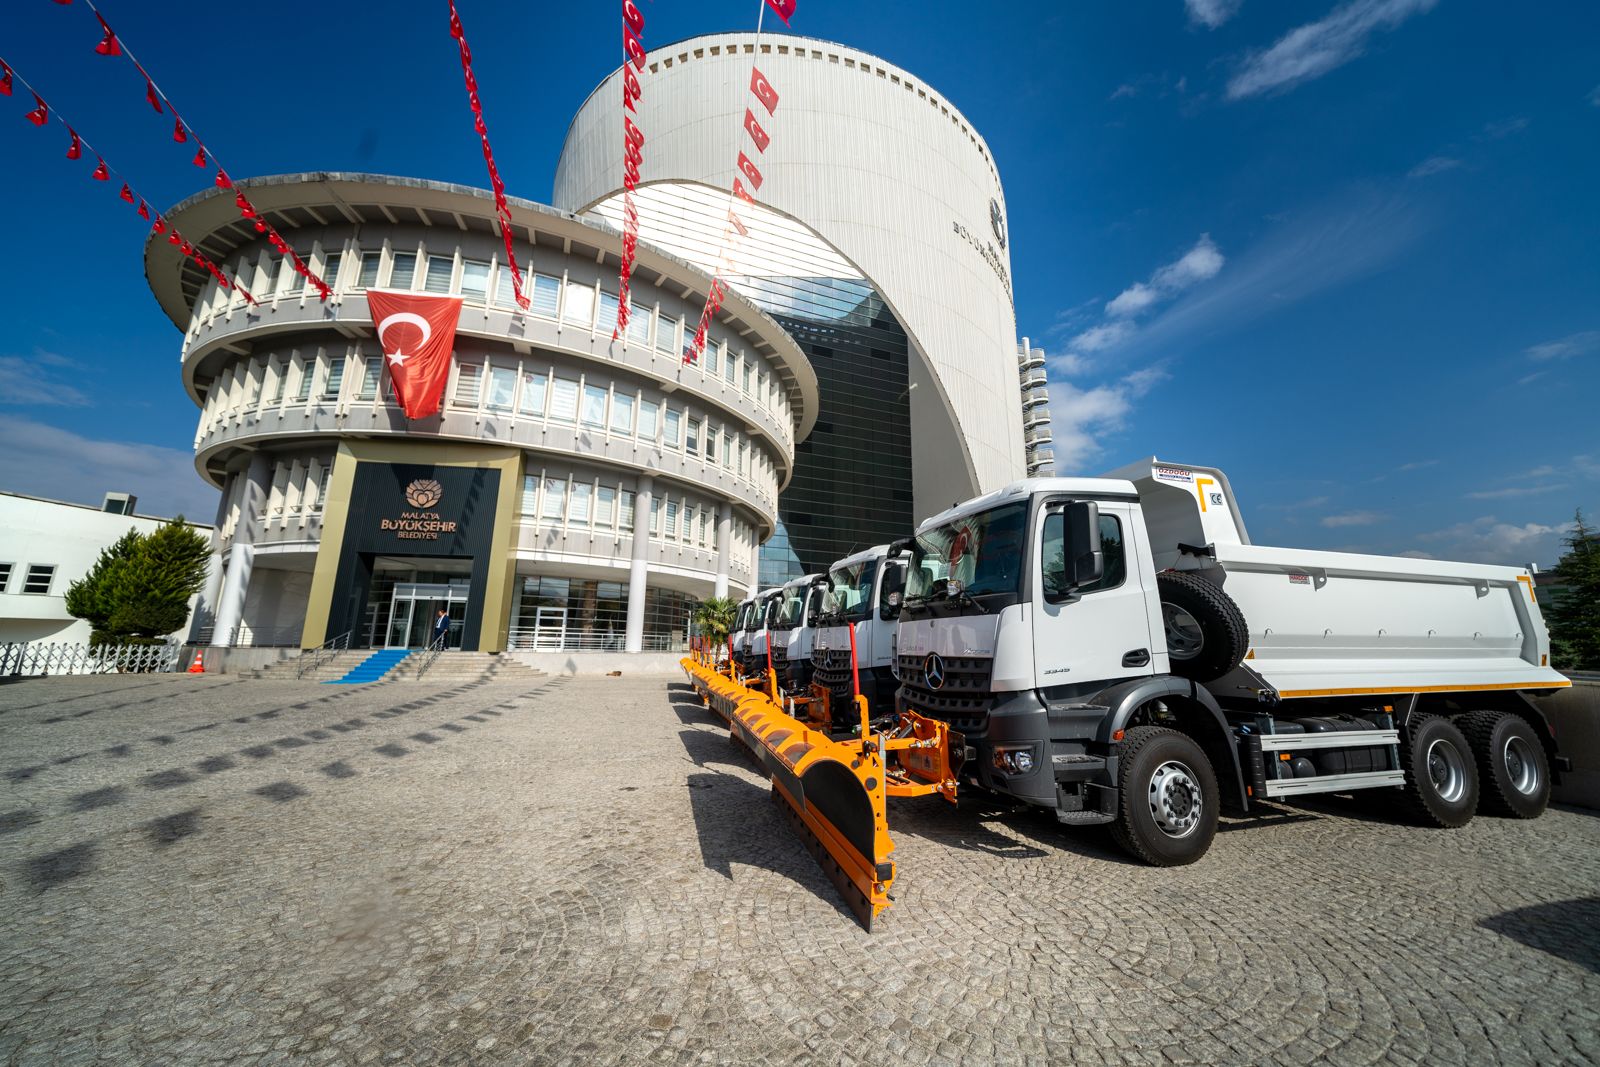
(414, 607)
(400, 611)
(550, 629)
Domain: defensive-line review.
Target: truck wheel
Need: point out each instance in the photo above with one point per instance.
(1167, 797)
(1206, 632)
(1512, 768)
(1441, 776)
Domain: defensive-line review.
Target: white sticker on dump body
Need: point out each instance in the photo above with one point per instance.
(1175, 474)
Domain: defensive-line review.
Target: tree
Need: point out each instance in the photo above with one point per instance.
(91, 597)
(139, 588)
(714, 618)
(1574, 612)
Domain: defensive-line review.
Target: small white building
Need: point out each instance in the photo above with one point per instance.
(45, 546)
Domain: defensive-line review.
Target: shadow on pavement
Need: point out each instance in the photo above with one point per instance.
(1569, 929)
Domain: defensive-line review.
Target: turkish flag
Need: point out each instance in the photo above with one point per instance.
(763, 90)
(418, 335)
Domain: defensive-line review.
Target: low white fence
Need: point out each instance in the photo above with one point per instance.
(35, 658)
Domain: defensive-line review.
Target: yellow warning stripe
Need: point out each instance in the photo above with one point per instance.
(1289, 694)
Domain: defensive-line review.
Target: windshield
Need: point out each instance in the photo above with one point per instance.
(850, 599)
(769, 613)
(792, 609)
(983, 552)
(741, 622)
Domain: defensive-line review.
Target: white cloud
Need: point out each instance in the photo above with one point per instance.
(1081, 417)
(31, 380)
(1312, 50)
(1529, 379)
(1577, 344)
(1513, 491)
(1200, 263)
(47, 461)
(1212, 13)
(1102, 336)
(1298, 505)
(1488, 540)
(1352, 518)
(1504, 127)
(1433, 165)
(1417, 465)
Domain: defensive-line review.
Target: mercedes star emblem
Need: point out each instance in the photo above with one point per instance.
(933, 671)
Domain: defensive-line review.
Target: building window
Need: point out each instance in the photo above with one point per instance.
(370, 369)
(744, 460)
(502, 388)
(621, 413)
(474, 279)
(579, 305)
(5, 576)
(302, 391)
(625, 520)
(711, 361)
(655, 517)
(674, 425)
(368, 277)
(330, 268)
(564, 400)
(747, 371)
(711, 445)
(608, 310)
(280, 380)
(439, 270)
(530, 495)
(705, 526)
(534, 388)
(639, 325)
(546, 293)
(335, 382)
(605, 506)
(666, 335)
(37, 583)
(649, 418)
(578, 513)
(594, 406)
(297, 281)
(468, 376)
(692, 440)
(555, 498)
(403, 275)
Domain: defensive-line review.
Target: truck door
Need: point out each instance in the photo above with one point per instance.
(1103, 634)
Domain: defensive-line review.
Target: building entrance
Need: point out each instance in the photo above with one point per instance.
(414, 605)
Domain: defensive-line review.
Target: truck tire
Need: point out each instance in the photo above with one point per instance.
(1441, 775)
(1206, 632)
(1513, 772)
(1167, 797)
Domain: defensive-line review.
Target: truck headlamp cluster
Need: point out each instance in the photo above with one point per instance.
(1013, 760)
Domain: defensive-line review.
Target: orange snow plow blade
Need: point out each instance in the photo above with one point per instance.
(834, 792)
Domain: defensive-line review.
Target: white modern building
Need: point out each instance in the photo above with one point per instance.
(45, 546)
(880, 244)
(593, 489)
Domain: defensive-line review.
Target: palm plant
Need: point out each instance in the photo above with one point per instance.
(713, 618)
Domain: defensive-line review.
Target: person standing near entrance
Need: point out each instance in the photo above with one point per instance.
(441, 630)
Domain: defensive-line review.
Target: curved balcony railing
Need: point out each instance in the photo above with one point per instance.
(1035, 380)
(1030, 361)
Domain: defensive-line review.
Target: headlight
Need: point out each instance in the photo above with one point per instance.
(1013, 760)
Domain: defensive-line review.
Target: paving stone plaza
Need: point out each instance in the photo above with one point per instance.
(208, 869)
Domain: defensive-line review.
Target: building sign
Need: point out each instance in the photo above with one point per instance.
(423, 524)
(990, 256)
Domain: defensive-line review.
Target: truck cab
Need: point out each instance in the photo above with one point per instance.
(750, 644)
(865, 593)
(1115, 650)
(738, 633)
(793, 629)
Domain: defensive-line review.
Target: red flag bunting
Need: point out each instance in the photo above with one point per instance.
(126, 194)
(160, 225)
(417, 334)
(101, 171)
(5, 79)
(144, 210)
(40, 114)
(151, 95)
(179, 134)
(501, 209)
(109, 46)
(223, 181)
(757, 134)
(200, 157)
(784, 9)
(763, 90)
(75, 149)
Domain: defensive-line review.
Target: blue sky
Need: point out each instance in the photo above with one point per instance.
(1348, 252)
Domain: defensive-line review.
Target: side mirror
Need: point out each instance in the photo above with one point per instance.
(1085, 560)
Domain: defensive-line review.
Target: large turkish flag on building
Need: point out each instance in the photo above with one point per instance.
(418, 335)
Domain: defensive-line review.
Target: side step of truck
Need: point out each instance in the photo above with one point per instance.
(1264, 749)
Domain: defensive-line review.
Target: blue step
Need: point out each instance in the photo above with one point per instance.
(373, 667)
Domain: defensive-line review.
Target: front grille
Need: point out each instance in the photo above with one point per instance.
(830, 668)
(963, 701)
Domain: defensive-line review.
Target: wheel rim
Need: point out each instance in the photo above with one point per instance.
(1175, 799)
(1447, 770)
(1185, 638)
(1521, 768)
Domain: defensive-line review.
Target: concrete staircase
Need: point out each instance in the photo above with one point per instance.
(336, 666)
(372, 669)
(455, 668)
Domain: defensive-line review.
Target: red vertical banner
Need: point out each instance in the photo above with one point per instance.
(633, 56)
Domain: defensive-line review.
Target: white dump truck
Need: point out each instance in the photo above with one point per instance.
(1118, 651)
(750, 631)
(862, 587)
(793, 628)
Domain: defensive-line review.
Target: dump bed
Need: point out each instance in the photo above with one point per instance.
(1342, 624)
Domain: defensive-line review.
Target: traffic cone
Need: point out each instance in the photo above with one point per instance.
(199, 664)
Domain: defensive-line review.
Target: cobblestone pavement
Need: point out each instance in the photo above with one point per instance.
(207, 869)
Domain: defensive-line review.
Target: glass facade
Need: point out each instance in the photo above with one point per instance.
(582, 614)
